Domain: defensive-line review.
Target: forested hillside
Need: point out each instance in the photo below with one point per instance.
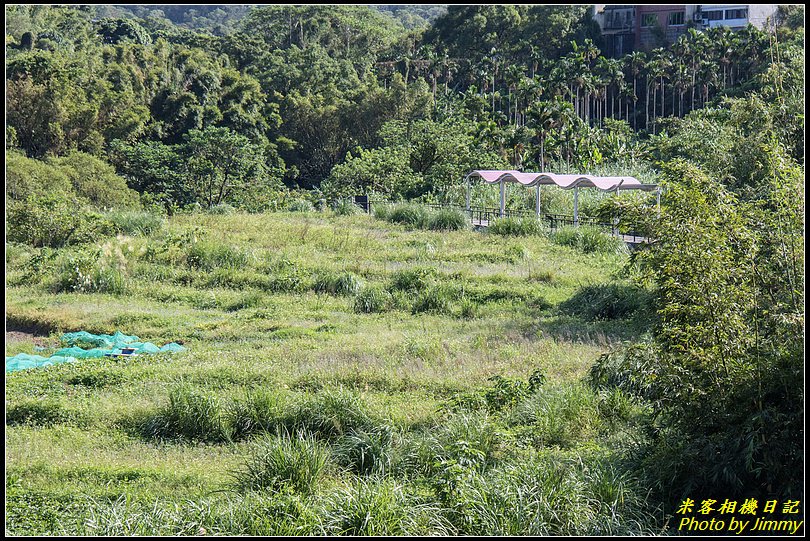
(121, 117)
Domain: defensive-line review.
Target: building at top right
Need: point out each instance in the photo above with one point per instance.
(626, 28)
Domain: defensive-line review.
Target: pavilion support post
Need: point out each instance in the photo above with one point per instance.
(616, 217)
(467, 182)
(503, 198)
(576, 207)
(537, 202)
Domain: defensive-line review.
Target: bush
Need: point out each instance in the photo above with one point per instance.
(27, 177)
(588, 239)
(372, 299)
(298, 462)
(96, 181)
(447, 220)
(510, 226)
(53, 220)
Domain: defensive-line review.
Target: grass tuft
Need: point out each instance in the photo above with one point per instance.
(277, 462)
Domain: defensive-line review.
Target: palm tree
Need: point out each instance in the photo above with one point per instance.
(512, 77)
(635, 62)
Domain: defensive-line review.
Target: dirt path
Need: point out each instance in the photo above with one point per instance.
(18, 336)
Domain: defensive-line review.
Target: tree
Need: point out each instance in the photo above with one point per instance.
(221, 163)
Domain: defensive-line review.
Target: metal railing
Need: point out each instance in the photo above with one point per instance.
(482, 216)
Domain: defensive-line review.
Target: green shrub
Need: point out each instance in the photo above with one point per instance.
(26, 177)
(53, 220)
(510, 226)
(96, 181)
(607, 301)
(447, 220)
(298, 462)
(334, 283)
(588, 239)
(371, 299)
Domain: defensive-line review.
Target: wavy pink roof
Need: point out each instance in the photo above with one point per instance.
(566, 182)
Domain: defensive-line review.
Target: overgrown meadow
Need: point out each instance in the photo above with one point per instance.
(344, 375)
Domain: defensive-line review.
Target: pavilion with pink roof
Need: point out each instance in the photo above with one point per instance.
(566, 182)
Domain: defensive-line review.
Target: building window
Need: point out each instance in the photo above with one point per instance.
(736, 14)
(650, 19)
(716, 15)
(676, 18)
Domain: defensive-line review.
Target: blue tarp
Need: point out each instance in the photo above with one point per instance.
(106, 344)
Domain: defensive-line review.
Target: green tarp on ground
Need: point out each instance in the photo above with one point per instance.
(106, 344)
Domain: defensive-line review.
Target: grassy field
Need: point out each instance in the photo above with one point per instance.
(344, 375)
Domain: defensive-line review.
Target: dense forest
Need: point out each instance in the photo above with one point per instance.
(193, 108)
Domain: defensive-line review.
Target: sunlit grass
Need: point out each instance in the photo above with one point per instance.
(349, 329)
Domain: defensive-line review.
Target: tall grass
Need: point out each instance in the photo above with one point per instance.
(344, 207)
(417, 216)
(277, 462)
(366, 452)
(447, 220)
(380, 507)
(336, 283)
(607, 301)
(331, 414)
(258, 411)
(133, 222)
(371, 299)
(588, 239)
(210, 255)
(191, 414)
(562, 415)
(407, 214)
(511, 226)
